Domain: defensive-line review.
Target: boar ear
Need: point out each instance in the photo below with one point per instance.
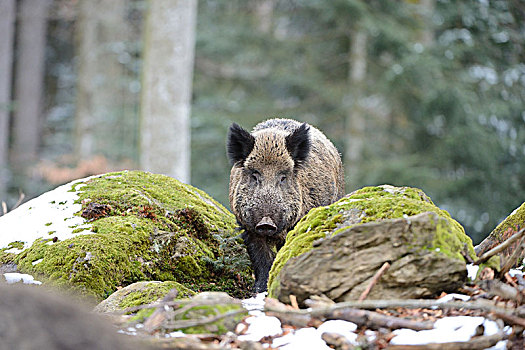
(298, 143)
(239, 144)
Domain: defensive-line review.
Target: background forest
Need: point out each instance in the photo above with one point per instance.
(426, 93)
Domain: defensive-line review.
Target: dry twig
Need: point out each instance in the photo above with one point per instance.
(503, 290)
(500, 247)
(482, 305)
(374, 280)
(375, 320)
(293, 302)
(475, 343)
(512, 259)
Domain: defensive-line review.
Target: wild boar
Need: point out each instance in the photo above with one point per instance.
(280, 171)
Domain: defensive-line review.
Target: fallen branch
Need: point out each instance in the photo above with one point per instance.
(407, 303)
(337, 341)
(153, 322)
(293, 302)
(500, 247)
(510, 319)
(374, 280)
(180, 324)
(513, 259)
(375, 320)
(475, 343)
(503, 290)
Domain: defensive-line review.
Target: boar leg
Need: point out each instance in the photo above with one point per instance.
(261, 256)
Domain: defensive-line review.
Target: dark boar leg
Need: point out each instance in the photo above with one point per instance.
(262, 256)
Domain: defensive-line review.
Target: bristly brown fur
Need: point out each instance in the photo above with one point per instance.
(281, 170)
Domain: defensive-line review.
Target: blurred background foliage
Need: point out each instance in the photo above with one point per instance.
(426, 93)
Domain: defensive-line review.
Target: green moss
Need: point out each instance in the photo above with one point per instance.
(232, 314)
(450, 239)
(142, 315)
(15, 244)
(154, 292)
(143, 227)
(96, 263)
(366, 205)
(6, 258)
(218, 327)
(132, 190)
(514, 222)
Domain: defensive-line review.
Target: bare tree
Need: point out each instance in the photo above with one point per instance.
(29, 77)
(7, 29)
(167, 83)
(356, 116)
(101, 32)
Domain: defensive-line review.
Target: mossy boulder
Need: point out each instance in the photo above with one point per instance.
(204, 313)
(141, 293)
(508, 227)
(119, 228)
(444, 240)
(210, 312)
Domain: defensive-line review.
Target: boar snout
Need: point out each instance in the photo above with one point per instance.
(266, 227)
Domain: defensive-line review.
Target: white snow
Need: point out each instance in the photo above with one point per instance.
(261, 326)
(14, 277)
(50, 215)
(304, 338)
(472, 271)
(514, 272)
(255, 305)
(341, 327)
(453, 296)
(448, 329)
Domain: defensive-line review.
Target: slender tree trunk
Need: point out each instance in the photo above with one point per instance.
(166, 89)
(426, 35)
(29, 82)
(7, 29)
(264, 15)
(356, 117)
(101, 29)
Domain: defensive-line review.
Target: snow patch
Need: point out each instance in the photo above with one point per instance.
(448, 329)
(37, 262)
(261, 326)
(516, 272)
(453, 296)
(341, 327)
(304, 338)
(255, 305)
(15, 277)
(472, 271)
(50, 215)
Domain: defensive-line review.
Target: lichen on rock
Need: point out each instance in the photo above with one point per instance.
(131, 226)
(370, 205)
(508, 227)
(140, 294)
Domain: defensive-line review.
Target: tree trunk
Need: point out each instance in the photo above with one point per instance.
(7, 29)
(101, 30)
(356, 118)
(166, 91)
(264, 15)
(29, 82)
(426, 36)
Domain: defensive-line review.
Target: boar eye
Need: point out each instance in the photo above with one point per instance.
(282, 179)
(256, 176)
